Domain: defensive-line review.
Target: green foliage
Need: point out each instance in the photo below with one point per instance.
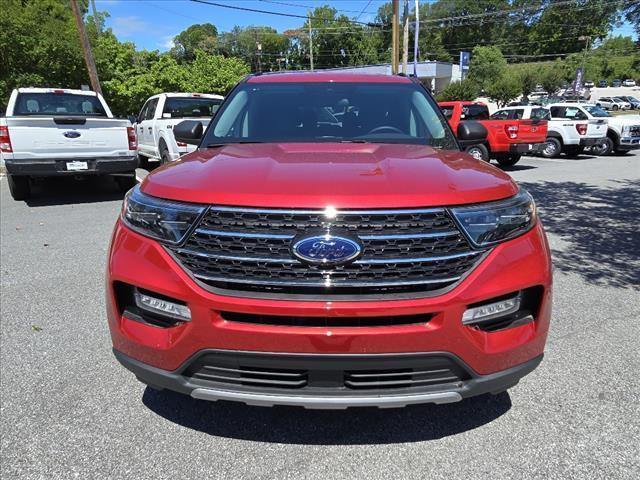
(196, 37)
(464, 90)
(552, 77)
(487, 64)
(505, 89)
(243, 43)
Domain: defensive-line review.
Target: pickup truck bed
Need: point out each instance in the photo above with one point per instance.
(52, 132)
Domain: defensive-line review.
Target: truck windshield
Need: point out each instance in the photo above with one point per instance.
(191, 107)
(330, 112)
(58, 104)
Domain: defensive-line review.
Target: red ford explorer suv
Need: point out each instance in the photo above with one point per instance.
(329, 246)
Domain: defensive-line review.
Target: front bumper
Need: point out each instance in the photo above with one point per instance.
(324, 396)
(56, 166)
(524, 148)
(590, 142)
(515, 265)
(629, 143)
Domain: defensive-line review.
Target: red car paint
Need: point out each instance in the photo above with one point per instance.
(503, 136)
(343, 176)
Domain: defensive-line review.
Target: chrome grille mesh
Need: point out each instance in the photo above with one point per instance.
(417, 250)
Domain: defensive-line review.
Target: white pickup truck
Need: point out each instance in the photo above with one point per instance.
(50, 132)
(161, 112)
(623, 132)
(569, 130)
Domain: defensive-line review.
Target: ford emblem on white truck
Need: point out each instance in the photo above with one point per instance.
(326, 249)
(71, 134)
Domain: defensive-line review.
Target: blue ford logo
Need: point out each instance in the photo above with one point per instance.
(71, 134)
(326, 249)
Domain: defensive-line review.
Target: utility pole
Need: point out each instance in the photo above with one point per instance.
(415, 40)
(310, 43)
(395, 40)
(86, 48)
(405, 36)
(95, 15)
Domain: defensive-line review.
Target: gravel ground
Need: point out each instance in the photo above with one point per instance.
(69, 410)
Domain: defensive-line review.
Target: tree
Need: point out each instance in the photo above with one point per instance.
(552, 78)
(196, 37)
(243, 43)
(487, 65)
(504, 89)
(464, 90)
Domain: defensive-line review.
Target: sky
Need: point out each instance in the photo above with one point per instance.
(152, 24)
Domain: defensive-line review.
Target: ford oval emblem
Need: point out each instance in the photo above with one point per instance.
(71, 134)
(326, 249)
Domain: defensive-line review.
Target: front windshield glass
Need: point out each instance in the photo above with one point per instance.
(595, 111)
(330, 112)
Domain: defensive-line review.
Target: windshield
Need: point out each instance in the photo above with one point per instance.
(58, 104)
(330, 112)
(191, 107)
(595, 111)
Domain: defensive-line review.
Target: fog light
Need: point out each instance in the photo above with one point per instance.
(163, 307)
(491, 310)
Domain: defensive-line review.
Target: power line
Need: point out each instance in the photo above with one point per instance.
(268, 12)
(365, 7)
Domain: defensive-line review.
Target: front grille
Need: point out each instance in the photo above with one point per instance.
(403, 251)
(326, 374)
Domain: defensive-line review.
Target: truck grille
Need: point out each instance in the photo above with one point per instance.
(325, 374)
(403, 251)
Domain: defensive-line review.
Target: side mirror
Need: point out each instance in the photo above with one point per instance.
(132, 119)
(471, 133)
(188, 131)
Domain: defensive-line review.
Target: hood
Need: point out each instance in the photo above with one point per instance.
(316, 175)
(623, 120)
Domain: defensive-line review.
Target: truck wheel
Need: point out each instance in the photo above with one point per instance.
(603, 149)
(19, 187)
(164, 154)
(509, 160)
(126, 181)
(479, 152)
(552, 148)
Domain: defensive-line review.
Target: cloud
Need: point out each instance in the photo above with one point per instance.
(127, 26)
(167, 42)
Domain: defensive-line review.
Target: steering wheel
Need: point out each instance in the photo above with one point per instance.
(385, 129)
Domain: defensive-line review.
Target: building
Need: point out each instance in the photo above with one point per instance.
(435, 75)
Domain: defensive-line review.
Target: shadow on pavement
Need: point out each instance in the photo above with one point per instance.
(518, 167)
(295, 425)
(69, 190)
(599, 226)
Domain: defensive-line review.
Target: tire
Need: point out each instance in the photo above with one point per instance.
(479, 152)
(604, 149)
(164, 154)
(615, 107)
(19, 187)
(126, 181)
(509, 160)
(143, 162)
(552, 148)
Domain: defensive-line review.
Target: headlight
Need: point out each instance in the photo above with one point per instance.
(162, 220)
(497, 221)
(626, 130)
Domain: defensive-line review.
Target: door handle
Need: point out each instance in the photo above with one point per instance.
(150, 129)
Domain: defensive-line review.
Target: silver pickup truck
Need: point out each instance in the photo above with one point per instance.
(50, 132)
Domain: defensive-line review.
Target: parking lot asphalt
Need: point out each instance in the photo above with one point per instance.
(68, 410)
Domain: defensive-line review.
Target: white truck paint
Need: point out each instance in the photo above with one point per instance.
(569, 129)
(47, 132)
(161, 113)
(623, 132)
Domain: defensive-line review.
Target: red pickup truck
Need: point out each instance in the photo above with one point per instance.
(507, 140)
